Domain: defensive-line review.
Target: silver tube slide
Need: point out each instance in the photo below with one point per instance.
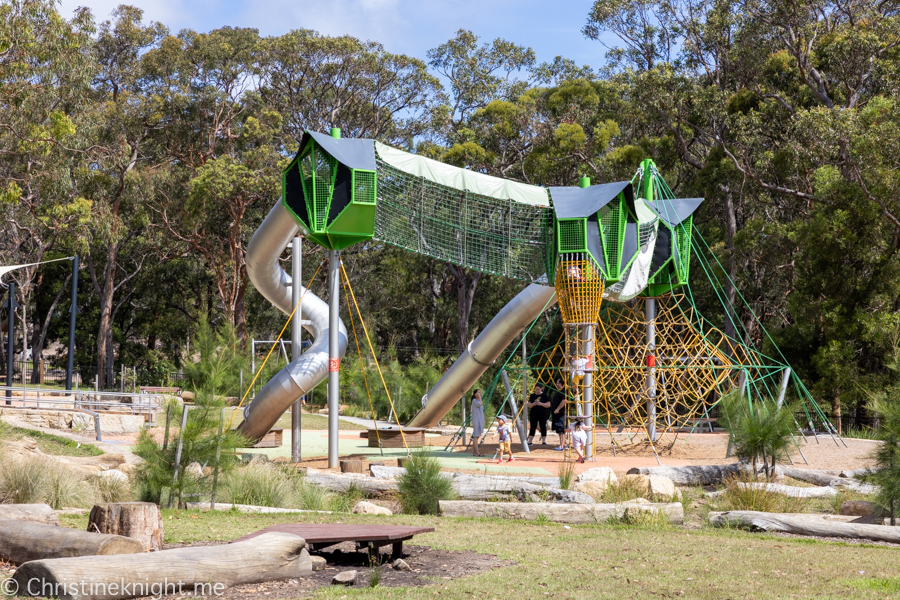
(482, 351)
(273, 236)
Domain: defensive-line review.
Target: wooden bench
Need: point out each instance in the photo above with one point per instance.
(392, 438)
(367, 537)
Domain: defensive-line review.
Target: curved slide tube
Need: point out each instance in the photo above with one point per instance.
(482, 351)
(305, 373)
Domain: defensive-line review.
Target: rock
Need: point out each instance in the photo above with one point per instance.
(604, 474)
(196, 470)
(368, 508)
(114, 474)
(639, 481)
(401, 565)
(594, 488)
(188, 396)
(662, 488)
(318, 563)
(344, 578)
(861, 508)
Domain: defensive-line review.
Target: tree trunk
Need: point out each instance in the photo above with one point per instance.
(466, 284)
(730, 290)
(37, 513)
(141, 521)
(104, 333)
(204, 570)
(24, 541)
(836, 413)
(39, 337)
(576, 514)
(803, 525)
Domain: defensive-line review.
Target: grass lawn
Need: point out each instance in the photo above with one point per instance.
(317, 422)
(51, 444)
(599, 561)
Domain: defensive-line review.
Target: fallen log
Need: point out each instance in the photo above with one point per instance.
(36, 513)
(141, 521)
(696, 475)
(345, 481)
(575, 514)
(204, 570)
(23, 541)
(790, 491)
(384, 472)
(249, 508)
(825, 478)
(477, 487)
(803, 524)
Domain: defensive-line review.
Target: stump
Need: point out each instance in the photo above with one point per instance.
(355, 466)
(24, 541)
(38, 513)
(141, 521)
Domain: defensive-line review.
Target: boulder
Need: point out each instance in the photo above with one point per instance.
(114, 474)
(318, 563)
(594, 488)
(662, 488)
(861, 508)
(368, 508)
(604, 474)
(401, 565)
(345, 578)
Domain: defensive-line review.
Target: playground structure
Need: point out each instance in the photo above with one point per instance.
(635, 353)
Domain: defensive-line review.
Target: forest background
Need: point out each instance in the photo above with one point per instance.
(154, 155)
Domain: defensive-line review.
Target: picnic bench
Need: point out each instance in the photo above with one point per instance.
(367, 537)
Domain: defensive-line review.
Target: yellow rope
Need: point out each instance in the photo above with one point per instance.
(363, 369)
(372, 350)
(275, 345)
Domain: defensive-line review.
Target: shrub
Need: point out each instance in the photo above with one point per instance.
(259, 485)
(742, 494)
(757, 429)
(41, 480)
(887, 454)
(623, 490)
(422, 485)
(113, 489)
(567, 475)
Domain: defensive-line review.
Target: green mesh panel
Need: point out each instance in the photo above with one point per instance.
(571, 236)
(364, 186)
(307, 168)
(612, 228)
(326, 170)
(491, 235)
(683, 244)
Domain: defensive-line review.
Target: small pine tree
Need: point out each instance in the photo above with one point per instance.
(757, 429)
(423, 485)
(887, 455)
(212, 379)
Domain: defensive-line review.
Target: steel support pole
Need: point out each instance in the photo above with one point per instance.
(334, 359)
(587, 332)
(296, 338)
(651, 368)
(10, 339)
(515, 411)
(73, 312)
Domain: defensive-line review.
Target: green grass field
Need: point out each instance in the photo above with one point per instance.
(52, 444)
(316, 422)
(600, 561)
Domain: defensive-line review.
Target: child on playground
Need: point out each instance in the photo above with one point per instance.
(505, 433)
(579, 439)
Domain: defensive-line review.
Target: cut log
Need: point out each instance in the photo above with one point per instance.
(249, 508)
(802, 524)
(826, 478)
(204, 570)
(23, 541)
(355, 466)
(141, 521)
(36, 513)
(343, 482)
(696, 475)
(575, 514)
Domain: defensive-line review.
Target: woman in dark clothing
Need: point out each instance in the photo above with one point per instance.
(539, 412)
(558, 413)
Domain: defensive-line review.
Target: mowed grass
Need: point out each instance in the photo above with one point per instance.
(317, 422)
(51, 444)
(598, 561)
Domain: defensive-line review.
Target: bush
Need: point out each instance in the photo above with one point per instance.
(422, 486)
(757, 429)
(112, 489)
(623, 490)
(567, 475)
(259, 485)
(887, 454)
(38, 480)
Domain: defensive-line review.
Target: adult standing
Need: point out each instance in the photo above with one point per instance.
(538, 413)
(558, 412)
(477, 412)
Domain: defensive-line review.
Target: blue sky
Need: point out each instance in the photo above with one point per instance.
(412, 27)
